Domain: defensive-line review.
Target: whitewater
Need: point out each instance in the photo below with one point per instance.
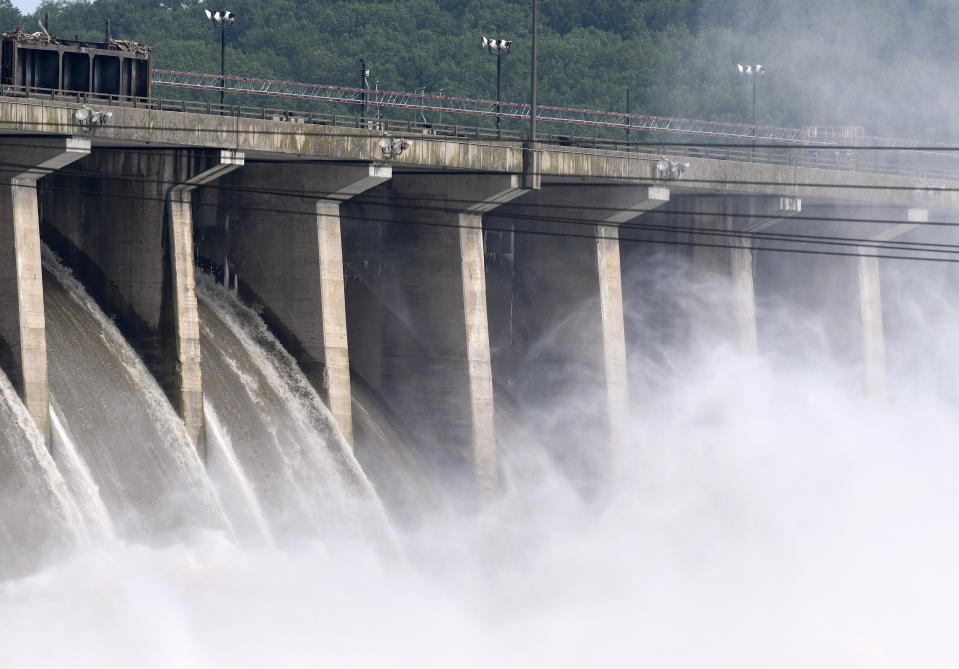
(767, 514)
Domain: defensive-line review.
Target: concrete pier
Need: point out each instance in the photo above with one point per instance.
(560, 346)
(124, 225)
(23, 346)
(870, 291)
(275, 234)
(831, 307)
(417, 313)
(723, 263)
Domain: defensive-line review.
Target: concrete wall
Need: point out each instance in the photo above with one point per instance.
(416, 313)
(273, 230)
(123, 222)
(23, 347)
(832, 306)
(267, 138)
(553, 264)
(691, 279)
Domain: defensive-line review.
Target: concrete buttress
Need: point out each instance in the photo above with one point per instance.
(23, 346)
(560, 346)
(275, 235)
(870, 292)
(123, 222)
(417, 308)
(724, 264)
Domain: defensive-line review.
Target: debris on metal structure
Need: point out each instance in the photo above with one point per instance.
(32, 63)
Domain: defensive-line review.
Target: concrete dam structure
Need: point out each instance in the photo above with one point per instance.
(461, 291)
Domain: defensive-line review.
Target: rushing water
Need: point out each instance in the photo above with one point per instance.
(80, 482)
(38, 515)
(109, 406)
(764, 515)
(284, 438)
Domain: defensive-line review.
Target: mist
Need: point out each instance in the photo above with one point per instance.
(764, 513)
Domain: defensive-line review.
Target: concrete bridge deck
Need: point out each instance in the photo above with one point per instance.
(267, 139)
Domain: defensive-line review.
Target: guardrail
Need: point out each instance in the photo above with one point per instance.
(925, 164)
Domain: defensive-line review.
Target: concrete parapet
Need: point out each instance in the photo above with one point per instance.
(23, 346)
(263, 137)
(416, 301)
(275, 234)
(559, 337)
(123, 222)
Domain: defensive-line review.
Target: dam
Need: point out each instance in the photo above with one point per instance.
(277, 333)
(443, 280)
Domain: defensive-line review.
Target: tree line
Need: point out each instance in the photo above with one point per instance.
(885, 65)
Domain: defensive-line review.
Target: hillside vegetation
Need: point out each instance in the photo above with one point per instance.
(881, 64)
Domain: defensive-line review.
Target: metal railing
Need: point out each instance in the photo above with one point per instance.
(469, 106)
(922, 162)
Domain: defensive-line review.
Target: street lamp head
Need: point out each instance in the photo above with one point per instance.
(391, 147)
(749, 70)
(497, 45)
(88, 118)
(220, 19)
(667, 169)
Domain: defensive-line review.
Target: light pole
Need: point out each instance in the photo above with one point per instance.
(365, 84)
(499, 48)
(753, 72)
(532, 77)
(221, 20)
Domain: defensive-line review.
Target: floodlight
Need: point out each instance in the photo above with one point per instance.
(667, 169)
(391, 147)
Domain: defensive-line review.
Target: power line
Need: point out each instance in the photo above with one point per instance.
(592, 237)
(930, 247)
(783, 189)
(592, 209)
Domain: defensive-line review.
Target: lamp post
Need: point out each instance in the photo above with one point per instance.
(532, 86)
(365, 85)
(221, 20)
(753, 72)
(499, 48)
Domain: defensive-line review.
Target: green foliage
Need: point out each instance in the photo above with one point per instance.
(882, 64)
(9, 16)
